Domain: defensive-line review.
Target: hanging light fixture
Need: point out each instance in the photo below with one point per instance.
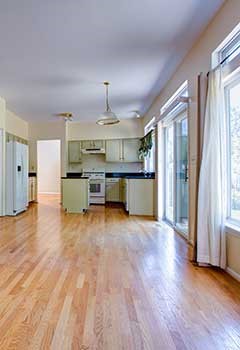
(108, 117)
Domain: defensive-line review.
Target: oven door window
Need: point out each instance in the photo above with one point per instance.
(95, 188)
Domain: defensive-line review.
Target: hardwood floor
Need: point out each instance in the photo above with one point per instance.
(104, 280)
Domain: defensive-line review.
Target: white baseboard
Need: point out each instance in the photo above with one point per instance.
(233, 273)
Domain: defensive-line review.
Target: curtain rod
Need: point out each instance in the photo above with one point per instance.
(225, 59)
(147, 134)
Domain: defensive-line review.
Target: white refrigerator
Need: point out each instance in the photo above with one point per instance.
(16, 177)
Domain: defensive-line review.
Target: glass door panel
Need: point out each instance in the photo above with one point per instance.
(176, 173)
(181, 173)
(169, 174)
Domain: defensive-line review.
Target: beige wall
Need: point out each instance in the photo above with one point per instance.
(90, 131)
(16, 125)
(99, 161)
(47, 131)
(233, 249)
(199, 60)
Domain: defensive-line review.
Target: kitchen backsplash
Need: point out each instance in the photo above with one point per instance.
(98, 161)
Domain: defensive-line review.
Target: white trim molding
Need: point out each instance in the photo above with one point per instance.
(233, 273)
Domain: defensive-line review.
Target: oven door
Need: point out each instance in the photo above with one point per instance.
(97, 188)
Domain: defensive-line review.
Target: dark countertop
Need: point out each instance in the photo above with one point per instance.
(131, 175)
(112, 175)
(75, 177)
(32, 174)
(140, 177)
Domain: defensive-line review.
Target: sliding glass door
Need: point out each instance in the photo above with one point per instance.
(181, 203)
(176, 173)
(169, 174)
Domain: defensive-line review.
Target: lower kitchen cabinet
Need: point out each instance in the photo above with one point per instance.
(113, 190)
(75, 194)
(32, 189)
(139, 196)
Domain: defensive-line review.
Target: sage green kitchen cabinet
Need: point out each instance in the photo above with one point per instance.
(113, 190)
(32, 189)
(75, 195)
(130, 148)
(86, 144)
(99, 144)
(123, 150)
(114, 151)
(140, 196)
(90, 144)
(74, 152)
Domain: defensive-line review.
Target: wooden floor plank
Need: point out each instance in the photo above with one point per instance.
(104, 280)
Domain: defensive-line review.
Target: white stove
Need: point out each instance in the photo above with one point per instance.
(96, 185)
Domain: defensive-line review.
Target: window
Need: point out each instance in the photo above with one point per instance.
(232, 93)
(181, 91)
(229, 51)
(149, 161)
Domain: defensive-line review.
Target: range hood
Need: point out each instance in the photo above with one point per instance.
(93, 151)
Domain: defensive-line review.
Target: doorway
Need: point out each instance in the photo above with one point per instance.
(176, 173)
(49, 166)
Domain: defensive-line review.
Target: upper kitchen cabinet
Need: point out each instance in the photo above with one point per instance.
(130, 150)
(114, 151)
(124, 150)
(92, 144)
(74, 152)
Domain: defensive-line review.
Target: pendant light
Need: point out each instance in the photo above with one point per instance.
(108, 117)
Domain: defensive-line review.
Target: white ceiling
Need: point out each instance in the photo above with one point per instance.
(55, 53)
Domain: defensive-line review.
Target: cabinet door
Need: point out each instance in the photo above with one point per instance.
(34, 189)
(122, 190)
(86, 144)
(74, 152)
(113, 150)
(98, 143)
(113, 191)
(141, 197)
(130, 150)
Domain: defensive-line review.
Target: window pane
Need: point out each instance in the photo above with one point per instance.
(234, 99)
(232, 49)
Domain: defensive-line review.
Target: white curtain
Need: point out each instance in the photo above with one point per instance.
(211, 239)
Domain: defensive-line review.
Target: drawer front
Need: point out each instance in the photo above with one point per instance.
(112, 179)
